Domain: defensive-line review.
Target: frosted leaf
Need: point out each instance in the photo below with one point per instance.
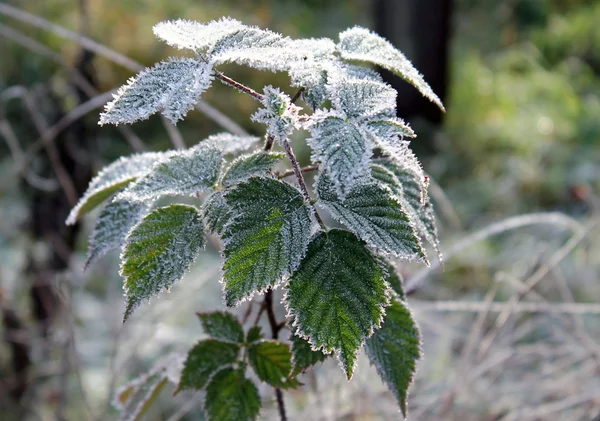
(203, 360)
(390, 128)
(363, 45)
(245, 166)
(394, 350)
(195, 36)
(343, 150)
(408, 188)
(303, 356)
(376, 216)
(172, 87)
(216, 212)
(112, 226)
(279, 114)
(312, 76)
(158, 251)
(361, 98)
(230, 144)
(222, 325)
(400, 154)
(111, 179)
(184, 173)
(267, 237)
(337, 296)
(230, 396)
(272, 363)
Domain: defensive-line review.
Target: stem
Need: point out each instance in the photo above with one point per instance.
(275, 328)
(308, 168)
(297, 95)
(301, 182)
(237, 85)
(269, 143)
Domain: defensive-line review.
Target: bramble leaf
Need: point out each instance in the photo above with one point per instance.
(184, 173)
(394, 349)
(363, 45)
(245, 166)
(254, 334)
(158, 251)
(222, 325)
(203, 360)
(303, 356)
(230, 144)
(230, 396)
(362, 98)
(343, 150)
(216, 212)
(172, 87)
(278, 113)
(394, 279)
(272, 362)
(267, 237)
(111, 179)
(338, 295)
(376, 216)
(112, 226)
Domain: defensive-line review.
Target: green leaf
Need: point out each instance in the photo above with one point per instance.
(266, 239)
(394, 279)
(303, 356)
(184, 173)
(111, 179)
(230, 144)
(216, 212)
(158, 251)
(376, 216)
(172, 87)
(278, 114)
(203, 360)
(338, 295)
(343, 150)
(272, 362)
(222, 325)
(254, 334)
(232, 397)
(112, 226)
(245, 166)
(363, 45)
(394, 350)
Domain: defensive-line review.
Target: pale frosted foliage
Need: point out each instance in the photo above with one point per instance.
(112, 178)
(216, 212)
(172, 87)
(394, 350)
(312, 76)
(203, 360)
(267, 237)
(344, 151)
(361, 98)
(337, 296)
(279, 114)
(389, 128)
(184, 173)
(222, 325)
(231, 144)
(257, 163)
(272, 363)
(230, 396)
(373, 213)
(112, 226)
(363, 45)
(401, 155)
(158, 251)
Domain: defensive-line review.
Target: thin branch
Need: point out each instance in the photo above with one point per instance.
(275, 327)
(308, 168)
(239, 86)
(297, 95)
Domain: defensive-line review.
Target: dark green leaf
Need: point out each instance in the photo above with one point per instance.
(232, 397)
(245, 166)
(222, 325)
(303, 356)
(272, 362)
(254, 334)
(216, 212)
(394, 279)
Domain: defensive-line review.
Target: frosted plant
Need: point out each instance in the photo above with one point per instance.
(339, 288)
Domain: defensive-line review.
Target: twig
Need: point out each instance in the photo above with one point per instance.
(308, 168)
(275, 327)
(239, 86)
(297, 95)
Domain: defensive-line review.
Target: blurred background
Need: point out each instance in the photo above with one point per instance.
(511, 326)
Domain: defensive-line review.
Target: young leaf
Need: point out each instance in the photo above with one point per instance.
(203, 360)
(111, 179)
(216, 212)
(343, 150)
(172, 87)
(158, 251)
(394, 349)
(338, 295)
(272, 362)
(112, 226)
(184, 173)
(245, 166)
(266, 239)
(254, 334)
(279, 114)
(376, 216)
(303, 356)
(230, 144)
(222, 325)
(230, 396)
(363, 45)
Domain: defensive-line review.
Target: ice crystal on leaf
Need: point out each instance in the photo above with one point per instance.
(245, 166)
(222, 325)
(216, 212)
(361, 98)
(363, 45)
(279, 114)
(158, 251)
(172, 87)
(230, 144)
(338, 295)
(267, 237)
